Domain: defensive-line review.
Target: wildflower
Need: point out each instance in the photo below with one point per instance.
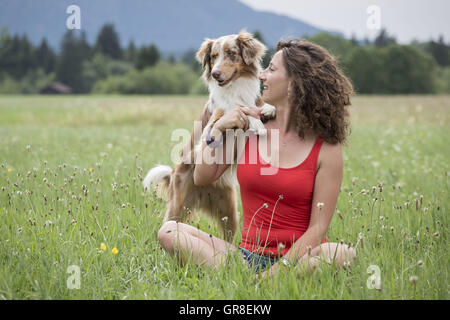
(115, 251)
(392, 229)
(225, 219)
(436, 234)
(413, 279)
(90, 169)
(420, 262)
(103, 246)
(340, 215)
(281, 246)
(381, 218)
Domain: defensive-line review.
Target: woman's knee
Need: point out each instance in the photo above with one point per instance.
(341, 253)
(166, 235)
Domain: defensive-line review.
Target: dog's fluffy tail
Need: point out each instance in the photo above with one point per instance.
(159, 178)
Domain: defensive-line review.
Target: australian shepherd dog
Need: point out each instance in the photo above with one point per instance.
(231, 66)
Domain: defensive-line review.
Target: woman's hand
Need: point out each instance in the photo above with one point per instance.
(272, 271)
(237, 118)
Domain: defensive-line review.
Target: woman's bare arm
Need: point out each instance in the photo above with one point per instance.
(208, 170)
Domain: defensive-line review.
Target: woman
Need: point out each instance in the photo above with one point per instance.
(286, 215)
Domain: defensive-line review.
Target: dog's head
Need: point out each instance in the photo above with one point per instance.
(229, 57)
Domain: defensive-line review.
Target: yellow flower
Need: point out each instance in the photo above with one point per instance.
(103, 246)
(90, 169)
(9, 169)
(115, 251)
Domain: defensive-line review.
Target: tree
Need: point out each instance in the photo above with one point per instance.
(365, 68)
(69, 70)
(147, 57)
(440, 51)
(408, 69)
(16, 55)
(108, 42)
(131, 52)
(45, 57)
(337, 45)
(383, 39)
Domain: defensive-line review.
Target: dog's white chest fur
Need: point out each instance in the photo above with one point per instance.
(242, 91)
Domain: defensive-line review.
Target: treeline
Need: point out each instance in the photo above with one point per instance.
(104, 67)
(386, 67)
(379, 67)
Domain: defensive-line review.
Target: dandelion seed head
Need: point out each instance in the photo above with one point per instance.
(413, 279)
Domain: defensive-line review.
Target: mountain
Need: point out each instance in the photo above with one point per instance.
(173, 25)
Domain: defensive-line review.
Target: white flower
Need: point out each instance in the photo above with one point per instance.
(320, 205)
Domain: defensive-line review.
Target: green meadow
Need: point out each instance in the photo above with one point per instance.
(71, 170)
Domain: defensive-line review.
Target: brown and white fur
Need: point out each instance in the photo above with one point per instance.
(231, 66)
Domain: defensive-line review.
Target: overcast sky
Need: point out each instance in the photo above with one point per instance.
(405, 19)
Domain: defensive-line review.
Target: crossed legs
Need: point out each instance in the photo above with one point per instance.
(192, 244)
(201, 248)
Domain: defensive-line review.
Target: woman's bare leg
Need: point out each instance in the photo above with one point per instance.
(190, 243)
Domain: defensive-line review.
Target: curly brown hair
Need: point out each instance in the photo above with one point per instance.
(319, 91)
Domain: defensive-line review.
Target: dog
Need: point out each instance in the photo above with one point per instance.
(231, 67)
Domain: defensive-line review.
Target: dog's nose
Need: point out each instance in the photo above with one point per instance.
(216, 74)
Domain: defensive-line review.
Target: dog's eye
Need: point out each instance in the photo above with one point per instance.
(231, 53)
(213, 56)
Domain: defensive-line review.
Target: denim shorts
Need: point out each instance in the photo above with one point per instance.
(256, 261)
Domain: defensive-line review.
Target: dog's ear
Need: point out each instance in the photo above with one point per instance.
(203, 54)
(252, 49)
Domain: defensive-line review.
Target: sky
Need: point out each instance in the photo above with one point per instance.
(405, 19)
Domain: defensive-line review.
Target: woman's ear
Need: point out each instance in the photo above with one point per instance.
(252, 50)
(203, 54)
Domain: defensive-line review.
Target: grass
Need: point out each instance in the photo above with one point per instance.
(70, 178)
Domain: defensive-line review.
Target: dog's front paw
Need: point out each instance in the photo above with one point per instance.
(267, 112)
(257, 127)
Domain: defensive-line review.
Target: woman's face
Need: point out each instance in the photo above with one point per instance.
(275, 81)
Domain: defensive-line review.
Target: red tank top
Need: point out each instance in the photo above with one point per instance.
(277, 207)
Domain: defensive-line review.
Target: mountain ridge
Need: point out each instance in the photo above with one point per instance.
(174, 26)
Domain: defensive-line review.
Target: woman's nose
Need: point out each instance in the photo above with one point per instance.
(262, 75)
